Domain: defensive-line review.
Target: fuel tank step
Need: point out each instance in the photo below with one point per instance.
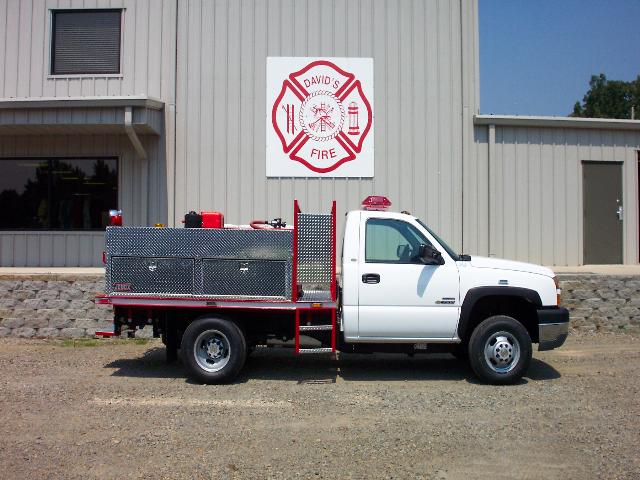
(311, 328)
(315, 350)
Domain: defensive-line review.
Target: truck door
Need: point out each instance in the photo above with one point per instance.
(399, 296)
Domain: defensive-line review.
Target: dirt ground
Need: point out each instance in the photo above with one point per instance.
(117, 411)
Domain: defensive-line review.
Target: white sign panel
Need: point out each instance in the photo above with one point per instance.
(319, 117)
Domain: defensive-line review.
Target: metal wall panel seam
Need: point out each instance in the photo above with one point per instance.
(3, 51)
(463, 127)
(491, 147)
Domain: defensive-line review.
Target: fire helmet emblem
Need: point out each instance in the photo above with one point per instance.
(321, 116)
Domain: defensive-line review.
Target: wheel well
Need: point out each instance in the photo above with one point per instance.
(519, 308)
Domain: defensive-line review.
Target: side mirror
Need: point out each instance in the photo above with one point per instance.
(430, 256)
(402, 250)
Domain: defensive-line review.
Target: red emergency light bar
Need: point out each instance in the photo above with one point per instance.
(115, 218)
(376, 202)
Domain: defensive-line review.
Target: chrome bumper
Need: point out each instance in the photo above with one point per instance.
(553, 328)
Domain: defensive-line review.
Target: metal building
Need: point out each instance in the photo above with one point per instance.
(166, 114)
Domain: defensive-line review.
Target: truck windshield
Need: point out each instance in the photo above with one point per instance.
(449, 250)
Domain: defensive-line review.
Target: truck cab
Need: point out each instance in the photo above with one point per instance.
(402, 284)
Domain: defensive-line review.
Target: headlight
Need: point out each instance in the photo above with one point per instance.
(555, 280)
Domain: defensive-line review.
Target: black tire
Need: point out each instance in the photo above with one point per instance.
(227, 342)
(502, 366)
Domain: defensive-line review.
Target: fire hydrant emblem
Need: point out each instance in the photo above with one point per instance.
(354, 129)
(321, 116)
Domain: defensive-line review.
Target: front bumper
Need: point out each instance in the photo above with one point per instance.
(553, 327)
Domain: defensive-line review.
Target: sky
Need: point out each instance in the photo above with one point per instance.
(537, 56)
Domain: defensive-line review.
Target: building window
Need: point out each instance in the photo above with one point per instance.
(57, 193)
(85, 42)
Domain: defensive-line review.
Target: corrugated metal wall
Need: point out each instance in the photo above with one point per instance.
(148, 50)
(476, 196)
(148, 68)
(425, 88)
(507, 191)
(142, 196)
(532, 201)
(53, 249)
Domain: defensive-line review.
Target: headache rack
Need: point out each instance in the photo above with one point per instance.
(245, 268)
(314, 272)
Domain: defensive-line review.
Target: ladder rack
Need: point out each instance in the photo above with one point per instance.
(314, 288)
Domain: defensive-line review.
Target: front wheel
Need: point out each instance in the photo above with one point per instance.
(214, 350)
(500, 350)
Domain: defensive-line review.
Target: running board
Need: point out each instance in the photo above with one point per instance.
(315, 350)
(312, 328)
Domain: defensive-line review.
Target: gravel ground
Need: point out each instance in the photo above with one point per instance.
(117, 411)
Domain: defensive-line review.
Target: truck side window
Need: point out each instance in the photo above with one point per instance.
(392, 241)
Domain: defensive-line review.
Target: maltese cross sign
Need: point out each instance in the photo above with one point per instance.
(319, 117)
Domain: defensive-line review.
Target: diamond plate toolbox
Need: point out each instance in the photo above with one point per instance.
(251, 278)
(199, 262)
(152, 275)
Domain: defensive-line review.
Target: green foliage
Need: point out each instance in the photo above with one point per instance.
(609, 99)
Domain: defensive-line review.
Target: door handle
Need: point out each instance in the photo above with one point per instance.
(619, 209)
(370, 278)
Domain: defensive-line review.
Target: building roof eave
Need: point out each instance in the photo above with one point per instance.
(82, 116)
(556, 122)
(82, 102)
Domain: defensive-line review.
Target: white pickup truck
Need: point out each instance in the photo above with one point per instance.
(216, 294)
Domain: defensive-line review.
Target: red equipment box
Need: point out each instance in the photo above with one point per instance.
(212, 219)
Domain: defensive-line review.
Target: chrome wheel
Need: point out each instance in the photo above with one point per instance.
(212, 350)
(502, 352)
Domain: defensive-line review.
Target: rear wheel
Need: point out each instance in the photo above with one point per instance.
(214, 350)
(500, 350)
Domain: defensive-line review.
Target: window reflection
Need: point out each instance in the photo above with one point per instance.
(57, 193)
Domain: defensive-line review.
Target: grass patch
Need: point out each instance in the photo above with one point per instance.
(99, 342)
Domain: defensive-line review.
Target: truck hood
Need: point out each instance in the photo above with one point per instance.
(501, 264)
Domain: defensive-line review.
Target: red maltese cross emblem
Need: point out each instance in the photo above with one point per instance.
(321, 116)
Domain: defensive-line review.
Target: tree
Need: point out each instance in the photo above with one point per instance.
(635, 96)
(609, 99)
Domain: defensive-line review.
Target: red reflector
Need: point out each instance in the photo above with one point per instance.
(104, 258)
(115, 218)
(104, 334)
(102, 300)
(376, 202)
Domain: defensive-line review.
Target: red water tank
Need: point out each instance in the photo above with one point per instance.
(212, 219)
